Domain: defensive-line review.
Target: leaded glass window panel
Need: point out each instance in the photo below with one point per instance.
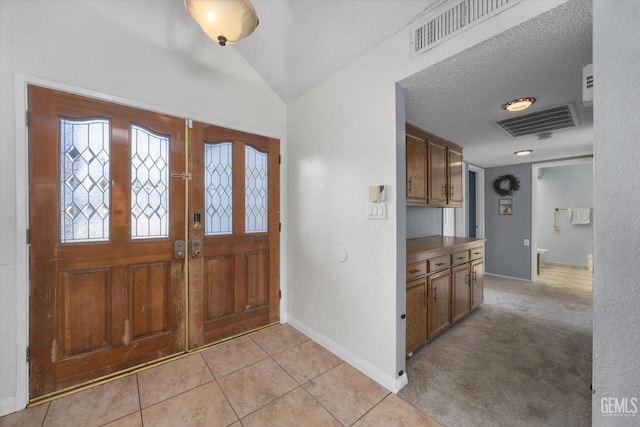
(218, 188)
(149, 184)
(84, 180)
(255, 191)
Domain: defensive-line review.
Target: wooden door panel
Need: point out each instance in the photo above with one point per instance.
(234, 283)
(149, 299)
(455, 177)
(416, 170)
(477, 280)
(101, 298)
(461, 297)
(439, 306)
(218, 286)
(416, 314)
(437, 173)
(257, 278)
(86, 320)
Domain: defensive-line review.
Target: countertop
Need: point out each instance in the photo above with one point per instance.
(439, 244)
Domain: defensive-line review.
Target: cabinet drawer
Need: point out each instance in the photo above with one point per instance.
(416, 269)
(439, 263)
(459, 257)
(476, 253)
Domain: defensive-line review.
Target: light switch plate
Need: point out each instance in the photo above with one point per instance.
(377, 210)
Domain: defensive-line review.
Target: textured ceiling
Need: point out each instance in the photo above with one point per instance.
(299, 43)
(461, 98)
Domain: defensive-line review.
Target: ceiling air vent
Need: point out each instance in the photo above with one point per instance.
(447, 21)
(547, 120)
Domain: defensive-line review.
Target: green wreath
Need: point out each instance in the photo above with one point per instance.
(498, 185)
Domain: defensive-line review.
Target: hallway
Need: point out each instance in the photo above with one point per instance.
(523, 358)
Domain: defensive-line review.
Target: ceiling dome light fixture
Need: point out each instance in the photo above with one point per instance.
(225, 21)
(523, 152)
(519, 104)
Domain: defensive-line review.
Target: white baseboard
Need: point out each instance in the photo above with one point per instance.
(7, 406)
(389, 382)
(507, 277)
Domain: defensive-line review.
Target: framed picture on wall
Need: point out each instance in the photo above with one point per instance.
(505, 207)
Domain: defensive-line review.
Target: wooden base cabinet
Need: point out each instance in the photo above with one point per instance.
(444, 284)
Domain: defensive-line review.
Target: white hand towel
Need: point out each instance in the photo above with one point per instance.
(579, 215)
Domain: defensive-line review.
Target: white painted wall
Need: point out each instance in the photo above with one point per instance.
(342, 138)
(616, 290)
(137, 52)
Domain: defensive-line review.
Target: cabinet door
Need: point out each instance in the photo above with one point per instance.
(437, 174)
(461, 298)
(416, 170)
(455, 177)
(439, 304)
(416, 313)
(477, 281)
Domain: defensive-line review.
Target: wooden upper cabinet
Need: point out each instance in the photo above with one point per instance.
(416, 170)
(437, 173)
(434, 169)
(455, 176)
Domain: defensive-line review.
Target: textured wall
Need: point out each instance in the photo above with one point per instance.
(564, 186)
(616, 293)
(505, 253)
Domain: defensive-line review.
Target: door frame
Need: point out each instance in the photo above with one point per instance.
(21, 137)
(535, 167)
(461, 216)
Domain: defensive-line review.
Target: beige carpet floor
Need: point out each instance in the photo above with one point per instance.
(522, 359)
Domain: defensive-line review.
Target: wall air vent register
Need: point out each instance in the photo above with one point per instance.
(446, 21)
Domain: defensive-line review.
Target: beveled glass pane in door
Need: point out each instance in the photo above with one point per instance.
(218, 188)
(84, 180)
(149, 184)
(255, 190)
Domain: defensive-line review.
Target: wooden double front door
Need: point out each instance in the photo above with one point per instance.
(148, 238)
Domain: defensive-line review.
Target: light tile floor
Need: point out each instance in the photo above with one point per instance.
(565, 277)
(274, 377)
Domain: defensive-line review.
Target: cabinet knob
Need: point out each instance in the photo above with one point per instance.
(439, 264)
(414, 271)
(404, 316)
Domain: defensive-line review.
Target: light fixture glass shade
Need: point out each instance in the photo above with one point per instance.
(523, 152)
(519, 104)
(225, 21)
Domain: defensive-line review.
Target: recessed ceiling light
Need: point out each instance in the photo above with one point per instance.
(519, 104)
(523, 152)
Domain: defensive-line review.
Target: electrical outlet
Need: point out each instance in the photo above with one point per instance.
(526, 242)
